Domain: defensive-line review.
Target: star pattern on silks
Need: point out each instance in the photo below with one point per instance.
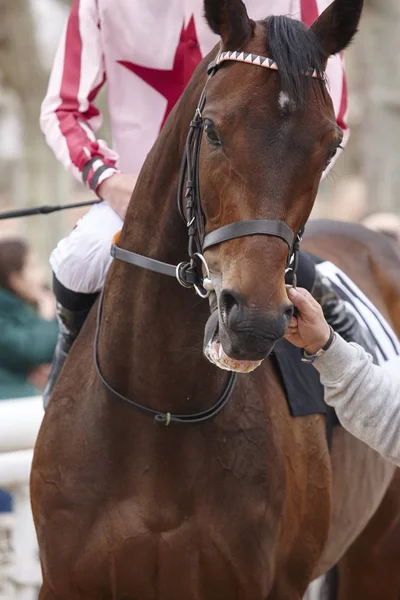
(171, 83)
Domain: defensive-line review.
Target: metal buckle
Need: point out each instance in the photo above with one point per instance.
(297, 242)
(178, 275)
(294, 277)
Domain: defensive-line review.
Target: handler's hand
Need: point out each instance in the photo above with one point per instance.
(309, 329)
(117, 190)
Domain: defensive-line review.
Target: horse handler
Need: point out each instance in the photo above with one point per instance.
(366, 397)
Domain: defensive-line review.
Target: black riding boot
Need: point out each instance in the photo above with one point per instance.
(72, 310)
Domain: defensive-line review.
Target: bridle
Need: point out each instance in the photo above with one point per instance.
(194, 272)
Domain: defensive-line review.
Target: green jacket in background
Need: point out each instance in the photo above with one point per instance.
(26, 341)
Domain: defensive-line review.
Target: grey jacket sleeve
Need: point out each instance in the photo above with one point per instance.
(366, 397)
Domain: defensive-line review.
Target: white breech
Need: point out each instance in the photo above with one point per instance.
(81, 261)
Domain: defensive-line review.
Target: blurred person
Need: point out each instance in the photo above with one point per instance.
(27, 325)
(387, 223)
(27, 322)
(147, 52)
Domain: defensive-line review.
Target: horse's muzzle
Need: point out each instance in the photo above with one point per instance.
(238, 338)
(247, 333)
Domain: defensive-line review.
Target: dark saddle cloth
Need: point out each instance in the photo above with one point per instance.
(303, 389)
(301, 381)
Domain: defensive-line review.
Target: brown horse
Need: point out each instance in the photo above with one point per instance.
(240, 505)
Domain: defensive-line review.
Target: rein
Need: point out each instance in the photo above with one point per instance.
(190, 273)
(162, 418)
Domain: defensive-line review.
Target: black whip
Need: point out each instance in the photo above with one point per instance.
(43, 210)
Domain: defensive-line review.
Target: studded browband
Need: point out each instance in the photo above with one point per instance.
(255, 59)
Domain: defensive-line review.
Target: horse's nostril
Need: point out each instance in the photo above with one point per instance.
(229, 305)
(230, 302)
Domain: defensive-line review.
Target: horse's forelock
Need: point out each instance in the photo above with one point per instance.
(297, 51)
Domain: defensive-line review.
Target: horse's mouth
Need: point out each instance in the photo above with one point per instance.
(215, 353)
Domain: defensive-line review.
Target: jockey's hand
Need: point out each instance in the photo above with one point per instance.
(308, 329)
(117, 191)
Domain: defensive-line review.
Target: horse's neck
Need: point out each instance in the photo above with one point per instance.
(152, 328)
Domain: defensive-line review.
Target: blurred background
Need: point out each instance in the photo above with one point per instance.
(30, 175)
(365, 179)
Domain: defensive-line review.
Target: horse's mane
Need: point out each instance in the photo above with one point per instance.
(296, 50)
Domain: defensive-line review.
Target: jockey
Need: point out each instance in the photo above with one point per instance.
(147, 52)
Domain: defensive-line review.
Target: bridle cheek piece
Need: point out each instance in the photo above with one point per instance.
(194, 273)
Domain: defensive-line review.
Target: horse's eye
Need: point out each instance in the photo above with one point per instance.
(211, 134)
(332, 155)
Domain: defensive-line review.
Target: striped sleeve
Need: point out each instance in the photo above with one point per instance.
(69, 118)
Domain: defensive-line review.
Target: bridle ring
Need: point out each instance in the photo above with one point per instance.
(178, 276)
(200, 292)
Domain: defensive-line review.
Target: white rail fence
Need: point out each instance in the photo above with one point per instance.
(20, 575)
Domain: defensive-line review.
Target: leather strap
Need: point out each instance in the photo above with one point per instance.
(88, 166)
(185, 274)
(311, 358)
(96, 176)
(330, 339)
(162, 418)
(245, 228)
(143, 261)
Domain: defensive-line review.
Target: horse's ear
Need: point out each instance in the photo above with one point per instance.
(229, 20)
(337, 25)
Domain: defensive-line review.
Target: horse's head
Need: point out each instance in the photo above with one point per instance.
(268, 137)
